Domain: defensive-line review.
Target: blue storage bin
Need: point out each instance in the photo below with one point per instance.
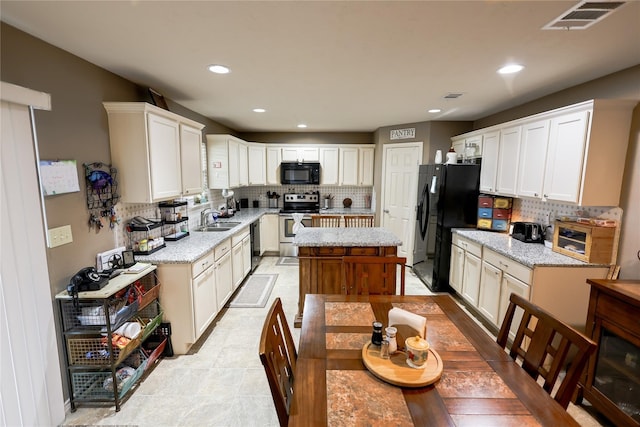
(485, 213)
(500, 225)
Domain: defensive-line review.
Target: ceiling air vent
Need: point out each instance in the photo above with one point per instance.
(452, 95)
(583, 15)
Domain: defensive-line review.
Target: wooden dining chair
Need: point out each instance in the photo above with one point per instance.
(358, 220)
(543, 344)
(372, 275)
(278, 356)
(325, 220)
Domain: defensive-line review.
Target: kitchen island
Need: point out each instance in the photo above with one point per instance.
(320, 252)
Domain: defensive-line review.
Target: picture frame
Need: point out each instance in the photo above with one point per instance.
(158, 100)
(128, 259)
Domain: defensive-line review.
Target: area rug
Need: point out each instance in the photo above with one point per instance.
(255, 291)
(287, 260)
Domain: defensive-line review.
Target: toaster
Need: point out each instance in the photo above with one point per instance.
(528, 232)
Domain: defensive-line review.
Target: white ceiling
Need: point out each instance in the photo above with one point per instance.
(337, 66)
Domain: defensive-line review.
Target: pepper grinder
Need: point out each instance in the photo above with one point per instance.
(376, 336)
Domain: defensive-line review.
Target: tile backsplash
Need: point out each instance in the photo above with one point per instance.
(547, 212)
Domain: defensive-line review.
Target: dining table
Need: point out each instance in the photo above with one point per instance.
(479, 384)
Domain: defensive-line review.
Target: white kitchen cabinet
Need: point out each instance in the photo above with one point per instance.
(257, 164)
(511, 285)
(274, 158)
(205, 308)
(188, 296)
(300, 154)
(471, 268)
(533, 155)
(329, 161)
(238, 256)
(223, 273)
(356, 165)
(146, 148)
(191, 159)
(243, 165)
(489, 297)
(225, 156)
(269, 233)
(247, 253)
(456, 268)
(489, 166)
(508, 159)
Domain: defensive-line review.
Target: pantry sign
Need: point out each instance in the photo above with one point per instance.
(402, 133)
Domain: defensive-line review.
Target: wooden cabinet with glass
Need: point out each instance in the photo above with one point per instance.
(611, 382)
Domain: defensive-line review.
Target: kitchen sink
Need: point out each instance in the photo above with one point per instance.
(218, 226)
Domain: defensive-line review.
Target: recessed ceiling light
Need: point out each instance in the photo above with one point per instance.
(259, 110)
(302, 125)
(510, 69)
(219, 69)
(434, 110)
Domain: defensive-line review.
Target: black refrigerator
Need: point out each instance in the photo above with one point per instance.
(447, 198)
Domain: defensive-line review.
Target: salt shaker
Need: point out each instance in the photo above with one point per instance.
(384, 349)
(391, 336)
(376, 336)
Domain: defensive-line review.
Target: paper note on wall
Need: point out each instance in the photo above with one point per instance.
(58, 177)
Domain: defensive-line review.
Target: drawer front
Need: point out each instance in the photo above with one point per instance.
(501, 213)
(509, 266)
(468, 245)
(485, 213)
(222, 249)
(330, 251)
(611, 308)
(484, 223)
(502, 203)
(372, 251)
(485, 202)
(500, 224)
(201, 264)
(239, 236)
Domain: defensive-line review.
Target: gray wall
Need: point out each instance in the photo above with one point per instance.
(309, 137)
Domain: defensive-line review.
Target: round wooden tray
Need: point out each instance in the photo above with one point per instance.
(396, 371)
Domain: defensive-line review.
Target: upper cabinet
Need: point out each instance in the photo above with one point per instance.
(574, 154)
(157, 153)
(356, 165)
(274, 158)
(300, 154)
(224, 158)
(329, 165)
(257, 164)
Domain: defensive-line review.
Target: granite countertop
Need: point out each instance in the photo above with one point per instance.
(348, 237)
(198, 243)
(529, 254)
(347, 211)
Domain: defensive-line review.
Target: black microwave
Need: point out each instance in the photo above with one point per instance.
(300, 173)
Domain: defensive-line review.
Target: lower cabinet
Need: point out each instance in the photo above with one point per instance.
(485, 279)
(241, 248)
(269, 233)
(194, 294)
(246, 255)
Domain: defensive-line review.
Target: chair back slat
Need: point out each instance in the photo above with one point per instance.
(544, 345)
(278, 356)
(372, 275)
(358, 220)
(325, 220)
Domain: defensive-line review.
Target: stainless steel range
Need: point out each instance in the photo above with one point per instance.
(303, 203)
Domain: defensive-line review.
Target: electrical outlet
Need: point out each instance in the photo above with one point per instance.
(60, 236)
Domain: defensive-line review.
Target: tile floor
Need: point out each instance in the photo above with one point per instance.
(222, 383)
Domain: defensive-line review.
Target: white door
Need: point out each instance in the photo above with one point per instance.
(31, 387)
(399, 193)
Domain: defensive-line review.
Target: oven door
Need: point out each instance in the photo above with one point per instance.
(287, 234)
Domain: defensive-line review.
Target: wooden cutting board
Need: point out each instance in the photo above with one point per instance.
(396, 371)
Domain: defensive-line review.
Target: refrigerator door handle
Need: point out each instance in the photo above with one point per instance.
(433, 184)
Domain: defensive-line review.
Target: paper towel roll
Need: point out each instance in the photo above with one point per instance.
(398, 316)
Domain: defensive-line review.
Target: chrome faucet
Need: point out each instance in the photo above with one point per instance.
(205, 213)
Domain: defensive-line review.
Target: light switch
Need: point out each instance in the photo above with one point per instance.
(60, 236)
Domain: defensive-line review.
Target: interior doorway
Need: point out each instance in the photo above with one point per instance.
(399, 185)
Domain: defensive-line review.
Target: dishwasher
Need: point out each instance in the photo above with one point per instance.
(255, 245)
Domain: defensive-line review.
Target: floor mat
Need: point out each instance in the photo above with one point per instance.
(287, 260)
(255, 291)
